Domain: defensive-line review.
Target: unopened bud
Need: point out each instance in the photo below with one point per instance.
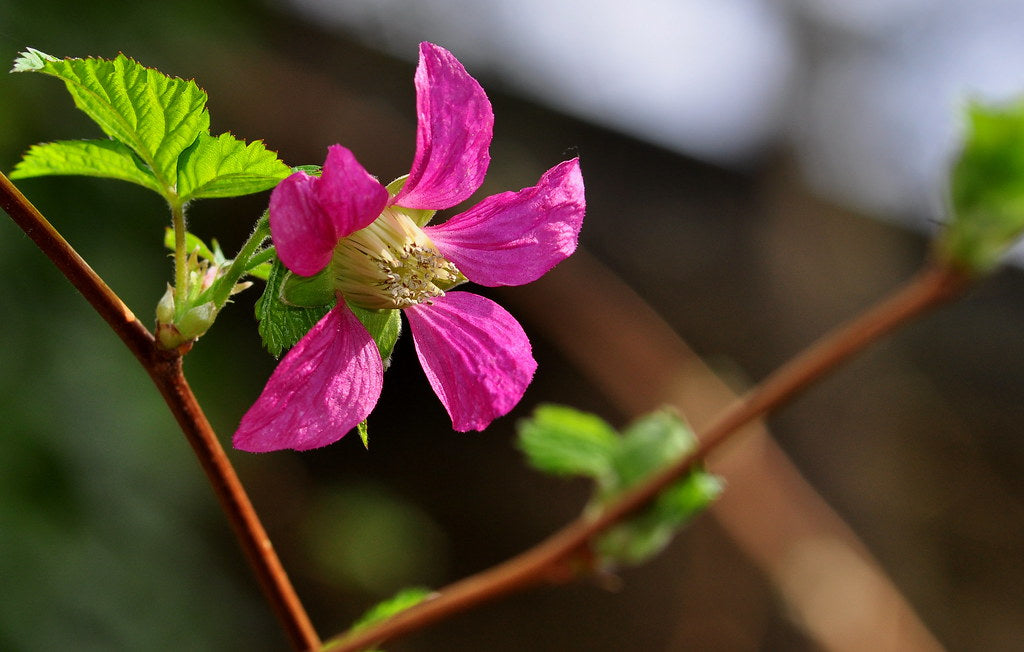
(197, 320)
(165, 307)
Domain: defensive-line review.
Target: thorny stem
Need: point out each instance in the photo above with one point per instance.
(932, 286)
(164, 368)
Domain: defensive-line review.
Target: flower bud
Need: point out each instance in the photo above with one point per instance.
(197, 320)
(165, 307)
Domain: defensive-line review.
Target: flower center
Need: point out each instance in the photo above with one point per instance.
(391, 264)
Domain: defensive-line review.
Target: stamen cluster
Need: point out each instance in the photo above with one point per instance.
(391, 264)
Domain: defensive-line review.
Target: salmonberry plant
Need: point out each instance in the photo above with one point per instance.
(340, 256)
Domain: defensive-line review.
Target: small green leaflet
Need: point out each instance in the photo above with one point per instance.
(281, 325)
(401, 601)
(159, 131)
(404, 599)
(226, 167)
(564, 441)
(648, 445)
(638, 539)
(96, 158)
(31, 60)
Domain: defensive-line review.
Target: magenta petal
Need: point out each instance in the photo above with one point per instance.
(453, 133)
(348, 193)
(302, 231)
(323, 387)
(515, 237)
(476, 356)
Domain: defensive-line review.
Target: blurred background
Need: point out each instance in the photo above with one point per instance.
(756, 171)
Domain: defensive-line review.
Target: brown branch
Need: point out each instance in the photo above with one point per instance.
(933, 286)
(769, 510)
(167, 374)
(164, 367)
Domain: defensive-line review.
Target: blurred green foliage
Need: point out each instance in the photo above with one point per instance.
(565, 441)
(987, 188)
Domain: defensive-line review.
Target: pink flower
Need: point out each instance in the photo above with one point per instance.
(381, 256)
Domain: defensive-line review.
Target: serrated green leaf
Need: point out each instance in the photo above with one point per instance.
(384, 325)
(96, 158)
(987, 188)
(224, 166)
(564, 441)
(281, 325)
(157, 116)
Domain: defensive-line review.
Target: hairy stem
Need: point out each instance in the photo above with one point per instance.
(933, 286)
(263, 256)
(180, 256)
(164, 367)
(241, 263)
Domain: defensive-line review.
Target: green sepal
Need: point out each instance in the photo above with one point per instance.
(308, 291)
(260, 271)
(364, 433)
(224, 166)
(421, 216)
(384, 326)
(96, 158)
(986, 188)
(197, 320)
(281, 325)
